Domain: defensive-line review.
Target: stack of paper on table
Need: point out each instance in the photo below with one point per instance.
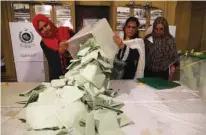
(81, 101)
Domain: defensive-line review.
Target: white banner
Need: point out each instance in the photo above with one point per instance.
(30, 71)
(27, 51)
(25, 42)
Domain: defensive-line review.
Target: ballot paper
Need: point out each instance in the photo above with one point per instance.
(81, 100)
(102, 33)
(111, 127)
(150, 39)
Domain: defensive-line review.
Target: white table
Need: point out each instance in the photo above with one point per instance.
(177, 111)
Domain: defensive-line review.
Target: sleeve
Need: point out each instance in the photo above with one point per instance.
(147, 44)
(67, 53)
(129, 54)
(53, 61)
(174, 55)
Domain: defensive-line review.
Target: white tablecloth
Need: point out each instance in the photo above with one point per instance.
(177, 111)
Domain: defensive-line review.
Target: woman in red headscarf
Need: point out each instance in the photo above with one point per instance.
(54, 44)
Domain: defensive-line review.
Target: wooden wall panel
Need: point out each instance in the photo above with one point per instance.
(170, 11)
(190, 33)
(197, 25)
(196, 28)
(93, 3)
(10, 74)
(182, 21)
(203, 40)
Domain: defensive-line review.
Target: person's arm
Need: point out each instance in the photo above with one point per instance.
(125, 52)
(174, 57)
(63, 45)
(53, 59)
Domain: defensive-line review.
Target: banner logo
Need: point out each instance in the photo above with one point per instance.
(26, 37)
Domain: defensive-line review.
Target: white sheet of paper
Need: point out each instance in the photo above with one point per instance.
(30, 71)
(47, 97)
(56, 83)
(92, 55)
(105, 126)
(83, 51)
(102, 33)
(90, 72)
(69, 114)
(40, 116)
(150, 39)
(172, 29)
(70, 94)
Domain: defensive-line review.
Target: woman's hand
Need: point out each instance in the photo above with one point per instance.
(172, 70)
(118, 41)
(63, 45)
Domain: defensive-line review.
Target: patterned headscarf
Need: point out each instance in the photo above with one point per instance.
(163, 21)
(162, 51)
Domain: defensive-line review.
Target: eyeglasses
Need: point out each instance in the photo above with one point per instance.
(131, 27)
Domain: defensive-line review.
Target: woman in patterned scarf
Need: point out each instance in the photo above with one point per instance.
(54, 44)
(160, 49)
(130, 60)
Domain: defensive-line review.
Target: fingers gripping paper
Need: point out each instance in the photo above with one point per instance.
(102, 33)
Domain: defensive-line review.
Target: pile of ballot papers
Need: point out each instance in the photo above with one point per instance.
(80, 102)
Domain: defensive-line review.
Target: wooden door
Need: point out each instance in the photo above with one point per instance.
(84, 14)
(197, 26)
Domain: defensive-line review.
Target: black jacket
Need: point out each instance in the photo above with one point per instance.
(125, 69)
(132, 63)
(54, 61)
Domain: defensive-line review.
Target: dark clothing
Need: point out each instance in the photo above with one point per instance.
(160, 74)
(54, 61)
(160, 54)
(125, 63)
(57, 63)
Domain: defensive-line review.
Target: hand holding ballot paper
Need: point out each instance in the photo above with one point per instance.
(63, 45)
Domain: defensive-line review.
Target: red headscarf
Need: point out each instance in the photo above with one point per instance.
(58, 34)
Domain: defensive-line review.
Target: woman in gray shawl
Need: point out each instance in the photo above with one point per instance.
(160, 49)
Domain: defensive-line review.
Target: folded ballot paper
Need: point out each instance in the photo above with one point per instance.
(80, 102)
(101, 32)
